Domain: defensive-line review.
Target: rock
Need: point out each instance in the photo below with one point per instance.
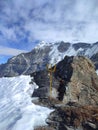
(63, 46)
(74, 118)
(81, 45)
(74, 80)
(44, 128)
(91, 125)
(76, 100)
(83, 85)
(42, 79)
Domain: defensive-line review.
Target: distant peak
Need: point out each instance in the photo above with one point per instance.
(41, 44)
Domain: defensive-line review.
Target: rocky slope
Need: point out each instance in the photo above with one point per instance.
(45, 53)
(74, 118)
(74, 94)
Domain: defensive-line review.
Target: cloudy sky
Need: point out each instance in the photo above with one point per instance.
(24, 23)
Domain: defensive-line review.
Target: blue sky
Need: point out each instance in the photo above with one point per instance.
(24, 23)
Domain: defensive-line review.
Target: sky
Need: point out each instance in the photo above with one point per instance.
(25, 23)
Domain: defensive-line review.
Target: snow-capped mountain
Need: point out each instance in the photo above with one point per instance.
(17, 112)
(45, 53)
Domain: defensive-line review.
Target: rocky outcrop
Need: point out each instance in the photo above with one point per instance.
(74, 80)
(83, 85)
(74, 95)
(44, 54)
(74, 118)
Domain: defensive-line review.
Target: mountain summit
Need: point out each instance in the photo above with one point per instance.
(46, 53)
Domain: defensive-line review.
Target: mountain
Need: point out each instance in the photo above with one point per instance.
(45, 53)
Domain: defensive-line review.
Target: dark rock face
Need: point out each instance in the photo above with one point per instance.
(42, 79)
(96, 43)
(64, 69)
(81, 45)
(63, 46)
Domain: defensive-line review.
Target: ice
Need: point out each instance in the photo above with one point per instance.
(17, 112)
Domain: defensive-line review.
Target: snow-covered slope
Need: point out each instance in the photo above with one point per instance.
(17, 112)
(56, 56)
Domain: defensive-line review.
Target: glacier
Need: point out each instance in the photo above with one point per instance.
(17, 112)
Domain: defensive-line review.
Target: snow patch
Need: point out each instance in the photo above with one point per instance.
(57, 56)
(97, 72)
(17, 112)
(41, 45)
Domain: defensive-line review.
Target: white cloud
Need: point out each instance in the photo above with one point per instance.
(68, 20)
(10, 51)
(23, 22)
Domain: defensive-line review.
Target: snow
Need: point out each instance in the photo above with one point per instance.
(57, 56)
(17, 112)
(42, 44)
(27, 62)
(97, 72)
(91, 51)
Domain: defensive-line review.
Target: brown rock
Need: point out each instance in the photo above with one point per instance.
(75, 117)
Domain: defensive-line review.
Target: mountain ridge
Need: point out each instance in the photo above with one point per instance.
(46, 53)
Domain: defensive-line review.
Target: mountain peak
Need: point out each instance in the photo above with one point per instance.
(41, 44)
